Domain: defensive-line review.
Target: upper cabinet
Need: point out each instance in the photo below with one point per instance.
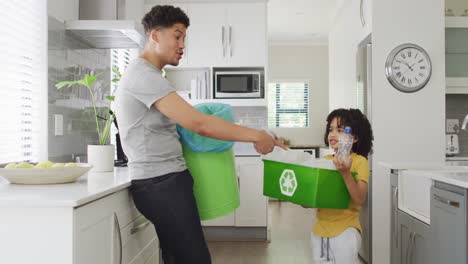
(63, 9)
(225, 34)
(456, 54)
(246, 34)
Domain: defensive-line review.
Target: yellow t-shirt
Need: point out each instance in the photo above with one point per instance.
(332, 222)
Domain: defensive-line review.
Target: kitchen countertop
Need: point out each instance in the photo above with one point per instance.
(414, 188)
(412, 165)
(456, 158)
(457, 178)
(87, 188)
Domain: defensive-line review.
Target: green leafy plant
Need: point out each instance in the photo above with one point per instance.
(88, 81)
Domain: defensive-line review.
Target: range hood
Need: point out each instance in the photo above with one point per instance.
(100, 25)
(107, 34)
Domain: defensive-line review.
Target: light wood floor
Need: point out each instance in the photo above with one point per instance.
(290, 240)
(290, 226)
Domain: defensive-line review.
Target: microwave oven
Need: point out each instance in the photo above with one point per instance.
(238, 83)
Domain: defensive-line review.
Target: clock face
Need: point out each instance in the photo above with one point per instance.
(408, 68)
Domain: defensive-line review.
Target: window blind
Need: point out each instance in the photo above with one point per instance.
(288, 104)
(23, 75)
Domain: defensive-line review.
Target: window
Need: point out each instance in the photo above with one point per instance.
(120, 58)
(23, 86)
(288, 104)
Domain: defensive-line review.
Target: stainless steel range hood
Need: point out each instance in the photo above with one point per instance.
(100, 25)
(107, 34)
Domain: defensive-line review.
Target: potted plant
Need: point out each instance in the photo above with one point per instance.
(101, 156)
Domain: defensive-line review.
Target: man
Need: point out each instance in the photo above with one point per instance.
(147, 110)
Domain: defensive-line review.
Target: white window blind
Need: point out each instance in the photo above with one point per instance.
(23, 75)
(288, 104)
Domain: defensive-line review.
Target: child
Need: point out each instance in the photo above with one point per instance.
(336, 236)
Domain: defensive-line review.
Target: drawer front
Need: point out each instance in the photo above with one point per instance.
(119, 203)
(139, 241)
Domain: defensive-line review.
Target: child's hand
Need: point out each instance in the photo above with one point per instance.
(342, 167)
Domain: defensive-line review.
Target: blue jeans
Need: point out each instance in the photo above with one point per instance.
(169, 203)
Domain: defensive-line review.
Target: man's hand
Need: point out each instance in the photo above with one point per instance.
(266, 143)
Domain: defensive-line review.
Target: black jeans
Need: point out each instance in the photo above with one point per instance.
(168, 202)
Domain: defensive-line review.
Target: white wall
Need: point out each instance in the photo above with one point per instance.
(309, 63)
(344, 39)
(407, 127)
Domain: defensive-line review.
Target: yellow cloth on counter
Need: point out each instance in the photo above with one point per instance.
(332, 222)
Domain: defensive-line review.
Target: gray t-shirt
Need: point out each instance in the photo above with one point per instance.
(149, 139)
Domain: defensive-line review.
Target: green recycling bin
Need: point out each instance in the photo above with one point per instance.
(215, 182)
(308, 186)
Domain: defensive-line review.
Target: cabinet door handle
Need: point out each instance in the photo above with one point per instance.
(117, 226)
(230, 41)
(408, 248)
(222, 41)
(139, 227)
(412, 241)
(446, 201)
(395, 216)
(361, 7)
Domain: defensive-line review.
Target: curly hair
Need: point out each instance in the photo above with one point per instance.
(360, 126)
(164, 16)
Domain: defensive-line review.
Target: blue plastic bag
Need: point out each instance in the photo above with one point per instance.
(198, 143)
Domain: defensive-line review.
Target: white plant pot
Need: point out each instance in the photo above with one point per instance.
(101, 157)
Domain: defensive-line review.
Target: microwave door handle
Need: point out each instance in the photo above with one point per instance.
(222, 41)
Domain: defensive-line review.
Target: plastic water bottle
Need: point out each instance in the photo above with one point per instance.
(345, 144)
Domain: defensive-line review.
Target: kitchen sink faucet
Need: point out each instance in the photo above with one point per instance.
(465, 123)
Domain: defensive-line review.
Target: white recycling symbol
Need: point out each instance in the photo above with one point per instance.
(288, 183)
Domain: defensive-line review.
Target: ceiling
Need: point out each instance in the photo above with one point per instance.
(300, 21)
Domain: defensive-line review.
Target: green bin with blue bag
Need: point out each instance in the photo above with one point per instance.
(212, 165)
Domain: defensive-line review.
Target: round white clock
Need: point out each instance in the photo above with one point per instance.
(408, 68)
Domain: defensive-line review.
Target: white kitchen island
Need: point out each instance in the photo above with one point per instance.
(92, 220)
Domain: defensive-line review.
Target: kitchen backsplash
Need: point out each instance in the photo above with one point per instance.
(70, 59)
(253, 117)
(457, 108)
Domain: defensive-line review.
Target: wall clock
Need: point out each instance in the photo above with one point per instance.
(408, 68)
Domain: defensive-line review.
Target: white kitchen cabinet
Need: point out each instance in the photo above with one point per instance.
(253, 209)
(414, 240)
(456, 55)
(111, 230)
(206, 43)
(63, 9)
(92, 220)
(246, 34)
(108, 230)
(253, 204)
(226, 34)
